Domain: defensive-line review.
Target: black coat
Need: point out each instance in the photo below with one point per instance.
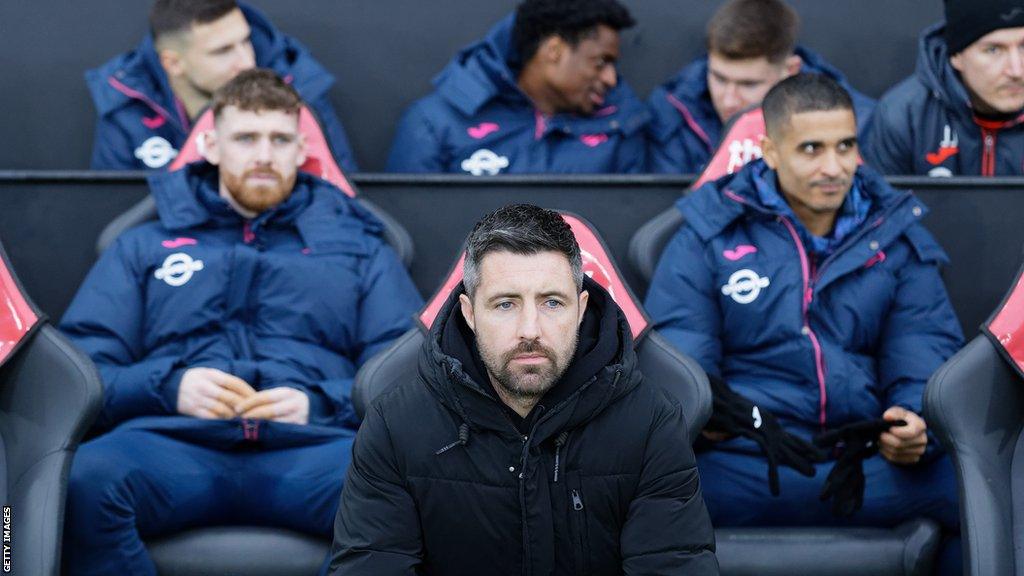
(442, 482)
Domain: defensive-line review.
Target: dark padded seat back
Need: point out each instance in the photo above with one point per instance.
(658, 360)
(975, 405)
(49, 395)
(740, 144)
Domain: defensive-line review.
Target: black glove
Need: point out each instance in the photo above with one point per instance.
(736, 415)
(857, 441)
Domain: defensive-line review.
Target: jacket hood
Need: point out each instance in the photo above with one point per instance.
(934, 71)
(489, 68)
(138, 74)
(714, 206)
(603, 370)
(325, 217)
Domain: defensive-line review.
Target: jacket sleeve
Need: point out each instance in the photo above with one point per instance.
(387, 304)
(417, 147)
(887, 147)
(112, 149)
(377, 529)
(920, 333)
(106, 320)
(668, 529)
(681, 301)
(335, 134)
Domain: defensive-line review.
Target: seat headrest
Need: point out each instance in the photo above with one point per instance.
(740, 145)
(597, 264)
(1005, 328)
(18, 315)
(319, 160)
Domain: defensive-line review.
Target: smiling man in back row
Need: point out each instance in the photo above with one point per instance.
(541, 93)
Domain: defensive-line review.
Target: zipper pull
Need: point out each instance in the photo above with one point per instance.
(577, 502)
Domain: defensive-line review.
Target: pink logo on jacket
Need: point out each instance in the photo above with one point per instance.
(179, 242)
(739, 252)
(482, 130)
(594, 140)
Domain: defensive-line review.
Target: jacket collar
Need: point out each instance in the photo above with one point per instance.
(487, 70)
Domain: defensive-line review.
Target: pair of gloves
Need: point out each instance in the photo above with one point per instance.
(736, 415)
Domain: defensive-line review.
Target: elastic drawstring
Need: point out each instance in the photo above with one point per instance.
(559, 442)
(462, 441)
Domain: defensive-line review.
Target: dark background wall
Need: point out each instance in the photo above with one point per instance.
(384, 53)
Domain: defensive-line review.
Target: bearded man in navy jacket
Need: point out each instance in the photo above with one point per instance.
(147, 98)
(809, 291)
(227, 335)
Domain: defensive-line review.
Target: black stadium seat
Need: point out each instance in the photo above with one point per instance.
(49, 395)
(975, 405)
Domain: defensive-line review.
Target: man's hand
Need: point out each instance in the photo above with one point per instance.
(277, 404)
(211, 393)
(903, 444)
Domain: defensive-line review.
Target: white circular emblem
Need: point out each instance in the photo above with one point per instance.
(155, 152)
(745, 286)
(940, 172)
(178, 269)
(484, 162)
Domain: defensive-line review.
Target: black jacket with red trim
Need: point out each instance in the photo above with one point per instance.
(925, 125)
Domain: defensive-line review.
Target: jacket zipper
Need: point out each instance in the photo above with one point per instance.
(808, 297)
(988, 152)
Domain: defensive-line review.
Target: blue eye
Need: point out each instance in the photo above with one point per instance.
(504, 306)
(552, 303)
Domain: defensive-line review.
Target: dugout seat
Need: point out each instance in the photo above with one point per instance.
(975, 405)
(50, 393)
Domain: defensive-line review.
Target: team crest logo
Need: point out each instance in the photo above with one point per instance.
(484, 162)
(178, 269)
(741, 153)
(949, 146)
(156, 152)
(745, 286)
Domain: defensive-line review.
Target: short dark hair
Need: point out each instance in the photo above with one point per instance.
(805, 92)
(173, 16)
(257, 90)
(520, 229)
(743, 29)
(572, 20)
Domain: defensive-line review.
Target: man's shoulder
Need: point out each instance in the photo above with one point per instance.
(904, 101)
(112, 83)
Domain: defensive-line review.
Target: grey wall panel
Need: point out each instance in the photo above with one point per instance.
(384, 54)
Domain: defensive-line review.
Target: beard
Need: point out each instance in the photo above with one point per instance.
(529, 381)
(258, 196)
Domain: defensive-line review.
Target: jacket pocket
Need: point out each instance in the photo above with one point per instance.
(578, 523)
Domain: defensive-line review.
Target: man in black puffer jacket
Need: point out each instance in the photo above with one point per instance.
(528, 442)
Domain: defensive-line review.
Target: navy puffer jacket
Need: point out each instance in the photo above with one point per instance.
(478, 121)
(925, 125)
(140, 125)
(818, 344)
(300, 296)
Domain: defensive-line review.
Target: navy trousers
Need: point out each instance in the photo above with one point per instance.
(136, 483)
(735, 487)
